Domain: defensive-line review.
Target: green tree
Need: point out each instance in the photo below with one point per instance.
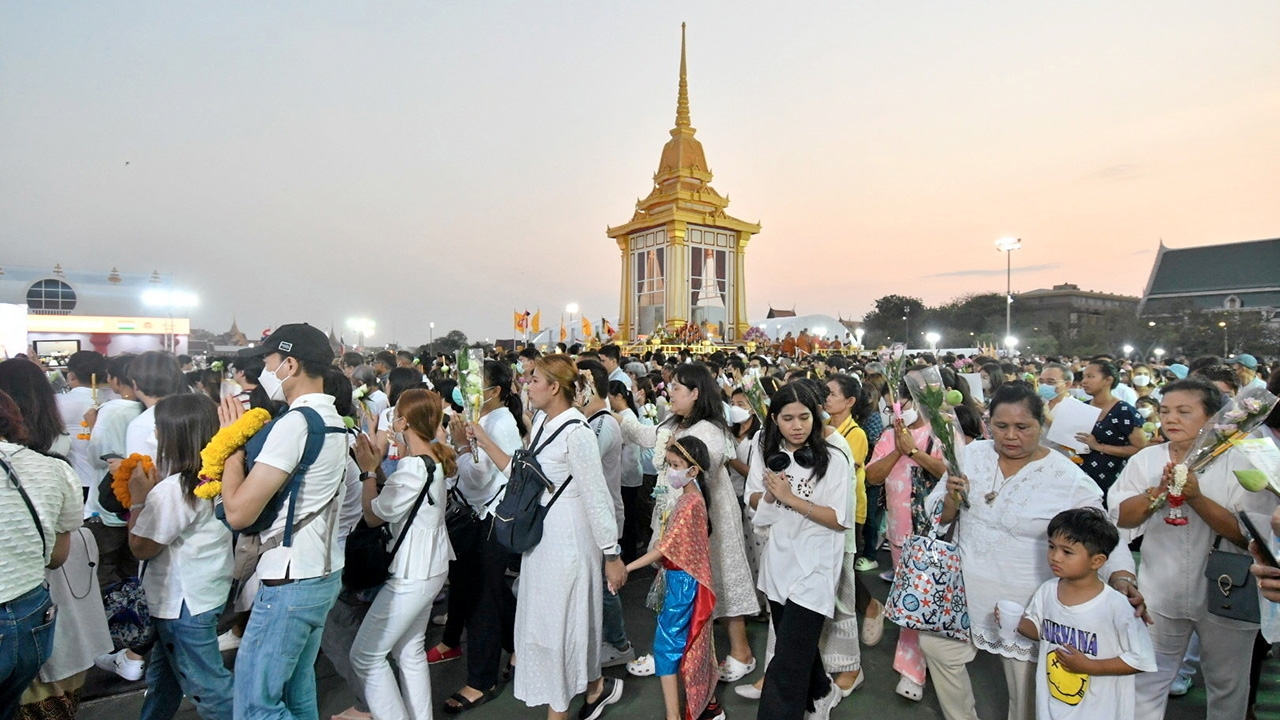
(453, 340)
(886, 322)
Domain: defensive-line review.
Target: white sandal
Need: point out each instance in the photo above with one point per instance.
(733, 669)
(642, 666)
(910, 689)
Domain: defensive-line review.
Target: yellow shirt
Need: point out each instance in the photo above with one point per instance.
(857, 439)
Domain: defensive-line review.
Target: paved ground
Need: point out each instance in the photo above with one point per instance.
(113, 699)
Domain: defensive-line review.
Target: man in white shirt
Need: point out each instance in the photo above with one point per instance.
(1246, 367)
(617, 649)
(611, 358)
(86, 372)
(275, 674)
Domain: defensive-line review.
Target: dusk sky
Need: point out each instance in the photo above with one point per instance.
(451, 161)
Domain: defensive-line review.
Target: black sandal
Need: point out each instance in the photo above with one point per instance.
(463, 704)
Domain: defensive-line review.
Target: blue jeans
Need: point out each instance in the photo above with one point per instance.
(275, 667)
(614, 629)
(26, 641)
(186, 661)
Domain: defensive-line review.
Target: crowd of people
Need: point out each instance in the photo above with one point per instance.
(759, 484)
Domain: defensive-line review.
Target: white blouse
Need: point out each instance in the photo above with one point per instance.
(801, 562)
(426, 550)
(195, 565)
(1174, 557)
(1004, 544)
(480, 481)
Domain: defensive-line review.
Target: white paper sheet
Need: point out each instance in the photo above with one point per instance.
(1070, 417)
(975, 385)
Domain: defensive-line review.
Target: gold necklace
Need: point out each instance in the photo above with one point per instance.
(991, 496)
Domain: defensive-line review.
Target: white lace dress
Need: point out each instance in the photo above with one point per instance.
(731, 576)
(560, 610)
(1003, 543)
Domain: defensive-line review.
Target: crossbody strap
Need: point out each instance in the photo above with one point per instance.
(534, 452)
(316, 432)
(26, 499)
(413, 512)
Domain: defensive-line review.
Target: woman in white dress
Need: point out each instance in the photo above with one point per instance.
(697, 410)
(1174, 557)
(1015, 486)
(396, 623)
(560, 609)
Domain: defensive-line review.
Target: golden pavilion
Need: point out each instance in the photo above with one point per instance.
(683, 257)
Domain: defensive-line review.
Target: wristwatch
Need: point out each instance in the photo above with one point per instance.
(913, 452)
(613, 554)
(368, 475)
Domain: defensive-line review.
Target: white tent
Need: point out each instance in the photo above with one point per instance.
(823, 326)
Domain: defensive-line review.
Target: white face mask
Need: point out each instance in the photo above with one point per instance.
(1145, 412)
(1141, 380)
(271, 383)
(678, 478)
(910, 416)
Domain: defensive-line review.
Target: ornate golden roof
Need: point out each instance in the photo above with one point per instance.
(682, 185)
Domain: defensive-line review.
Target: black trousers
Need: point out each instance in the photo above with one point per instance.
(631, 522)
(795, 677)
(490, 612)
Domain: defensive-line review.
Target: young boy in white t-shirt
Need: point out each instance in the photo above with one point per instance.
(1091, 643)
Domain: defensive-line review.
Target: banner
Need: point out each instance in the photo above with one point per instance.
(587, 329)
(521, 322)
(564, 334)
(608, 329)
(536, 322)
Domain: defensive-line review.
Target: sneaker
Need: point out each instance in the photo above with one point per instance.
(121, 664)
(611, 656)
(748, 691)
(713, 712)
(887, 576)
(733, 670)
(865, 565)
(822, 706)
(610, 694)
(228, 641)
(1181, 685)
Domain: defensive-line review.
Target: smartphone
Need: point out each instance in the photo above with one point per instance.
(1251, 531)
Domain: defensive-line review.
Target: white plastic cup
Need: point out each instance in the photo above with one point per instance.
(1010, 615)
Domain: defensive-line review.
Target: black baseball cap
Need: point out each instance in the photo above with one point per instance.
(298, 340)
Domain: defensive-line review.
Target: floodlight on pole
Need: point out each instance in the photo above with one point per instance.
(1007, 245)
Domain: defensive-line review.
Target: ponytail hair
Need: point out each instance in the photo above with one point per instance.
(501, 375)
(423, 410)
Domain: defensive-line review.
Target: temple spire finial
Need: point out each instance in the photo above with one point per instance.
(682, 101)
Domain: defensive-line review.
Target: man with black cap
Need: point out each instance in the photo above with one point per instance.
(275, 674)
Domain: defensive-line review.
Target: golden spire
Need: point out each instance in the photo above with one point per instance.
(682, 100)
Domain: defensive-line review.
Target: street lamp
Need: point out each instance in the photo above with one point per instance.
(1128, 350)
(1159, 354)
(906, 326)
(363, 328)
(933, 339)
(857, 334)
(1010, 342)
(1226, 347)
(431, 337)
(572, 309)
(1007, 245)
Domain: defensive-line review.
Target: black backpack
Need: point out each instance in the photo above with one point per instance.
(517, 520)
(368, 560)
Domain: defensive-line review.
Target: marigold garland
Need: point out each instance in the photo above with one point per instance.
(120, 478)
(227, 440)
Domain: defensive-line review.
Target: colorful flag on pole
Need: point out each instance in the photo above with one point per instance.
(607, 328)
(521, 320)
(587, 330)
(537, 322)
(564, 333)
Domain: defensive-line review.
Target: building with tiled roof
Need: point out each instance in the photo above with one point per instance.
(1234, 276)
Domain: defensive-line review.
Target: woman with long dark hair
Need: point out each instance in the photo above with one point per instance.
(479, 596)
(806, 506)
(188, 564)
(27, 385)
(696, 409)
